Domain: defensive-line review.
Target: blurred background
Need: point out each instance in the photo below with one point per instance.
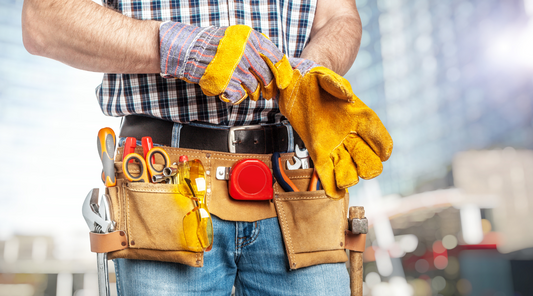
(450, 215)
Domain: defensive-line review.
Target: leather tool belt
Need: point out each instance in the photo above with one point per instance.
(149, 223)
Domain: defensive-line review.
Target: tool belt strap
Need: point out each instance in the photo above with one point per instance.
(255, 139)
(108, 242)
(354, 242)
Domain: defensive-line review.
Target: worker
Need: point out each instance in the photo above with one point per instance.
(179, 71)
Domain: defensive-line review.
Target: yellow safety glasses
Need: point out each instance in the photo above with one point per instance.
(197, 224)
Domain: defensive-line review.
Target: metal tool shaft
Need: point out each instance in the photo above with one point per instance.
(103, 274)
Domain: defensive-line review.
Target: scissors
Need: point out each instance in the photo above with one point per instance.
(146, 165)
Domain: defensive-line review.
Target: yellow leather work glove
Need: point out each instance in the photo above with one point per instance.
(233, 63)
(345, 138)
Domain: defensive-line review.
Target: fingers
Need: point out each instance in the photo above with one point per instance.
(353, 159)
(334, 84)
(374, 133)
(368, 163)
(345, 169)
(327, 179)
(234, 93)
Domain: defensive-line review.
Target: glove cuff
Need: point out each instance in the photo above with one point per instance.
(176, 43)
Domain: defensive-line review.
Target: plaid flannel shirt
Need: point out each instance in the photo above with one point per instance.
(287, 23)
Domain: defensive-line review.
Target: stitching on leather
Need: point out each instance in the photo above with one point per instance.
(242, 156)
(130, 236)
(153, 190)
(343, 215)
(304, 197)
(285, 226)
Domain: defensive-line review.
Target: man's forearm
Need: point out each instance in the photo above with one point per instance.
(335, 38)
(85, 35)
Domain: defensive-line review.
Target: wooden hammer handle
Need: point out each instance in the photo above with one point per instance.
(356, 258)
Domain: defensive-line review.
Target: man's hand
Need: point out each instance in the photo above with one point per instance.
(233, 62)
(345, 138)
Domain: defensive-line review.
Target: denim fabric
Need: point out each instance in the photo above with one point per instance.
(248, 255)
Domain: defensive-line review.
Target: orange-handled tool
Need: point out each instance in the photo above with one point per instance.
(106, 150)
(143, 171)
(150, 159)
(146, 166)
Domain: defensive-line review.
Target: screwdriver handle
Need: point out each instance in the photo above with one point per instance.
(106, 150)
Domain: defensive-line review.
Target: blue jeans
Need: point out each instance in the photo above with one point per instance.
(248, 255)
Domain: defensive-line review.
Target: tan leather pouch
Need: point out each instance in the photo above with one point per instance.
(312, 224)
(151, 215)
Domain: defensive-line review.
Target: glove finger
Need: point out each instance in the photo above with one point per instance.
(281, 70)
(248, 81)
(334, 84)
(327, 179)
(374, 133)
(345, 169)
(234, 93)
(253, 95)
(368, 163)
(277, 61)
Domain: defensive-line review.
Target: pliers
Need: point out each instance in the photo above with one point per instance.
(285, 182)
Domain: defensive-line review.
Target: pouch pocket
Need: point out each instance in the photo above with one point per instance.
(312, 225)
(152, 217)
(155, 217)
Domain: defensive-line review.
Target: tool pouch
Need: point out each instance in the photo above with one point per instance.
(151, 217)
(313, 225)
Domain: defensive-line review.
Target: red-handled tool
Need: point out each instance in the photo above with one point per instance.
(129, 147)
(148, 144)
(106, 150)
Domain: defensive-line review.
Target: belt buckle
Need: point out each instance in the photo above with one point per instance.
(231, 136)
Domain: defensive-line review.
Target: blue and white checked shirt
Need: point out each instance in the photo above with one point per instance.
(287, 23)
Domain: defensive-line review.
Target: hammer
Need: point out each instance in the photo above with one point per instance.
(358, 225)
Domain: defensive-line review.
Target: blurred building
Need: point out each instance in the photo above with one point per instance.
(445, 76)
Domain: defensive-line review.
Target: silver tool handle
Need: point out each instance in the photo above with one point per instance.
(103, 274)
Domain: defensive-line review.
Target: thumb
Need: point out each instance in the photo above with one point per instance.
(333, 83)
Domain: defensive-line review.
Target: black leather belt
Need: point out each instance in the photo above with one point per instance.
(255, 139)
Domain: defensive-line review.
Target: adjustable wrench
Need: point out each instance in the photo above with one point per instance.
(97, 214)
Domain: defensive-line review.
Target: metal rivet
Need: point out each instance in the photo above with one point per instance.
(122, 233)
(276, 196)
(132, 243)
(198, 262)
(294, 265)
(208, 155)
(123, 244)
(342, 244)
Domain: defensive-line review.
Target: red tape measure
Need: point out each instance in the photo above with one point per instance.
(250, 179)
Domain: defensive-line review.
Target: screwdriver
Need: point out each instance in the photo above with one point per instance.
(106, 150)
